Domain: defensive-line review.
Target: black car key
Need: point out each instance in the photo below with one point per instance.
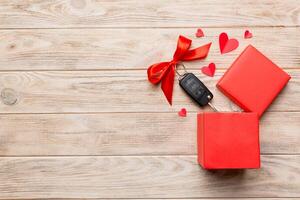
(196, 90)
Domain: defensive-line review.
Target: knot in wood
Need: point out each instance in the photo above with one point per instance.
(9, 96)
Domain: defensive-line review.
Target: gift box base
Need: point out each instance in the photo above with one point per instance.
(228, 140)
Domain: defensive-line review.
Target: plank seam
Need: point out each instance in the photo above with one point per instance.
(112, 112)
(158, 155)
(115, 69)
(183, 198)
(148, 27)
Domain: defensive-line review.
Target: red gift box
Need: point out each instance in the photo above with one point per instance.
(253, 81)
(228, 140)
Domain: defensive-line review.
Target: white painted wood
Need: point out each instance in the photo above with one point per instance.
(115, 91)
(128, 134)
(143, 177)
(113, 49)
(147, 13)
(107, 108)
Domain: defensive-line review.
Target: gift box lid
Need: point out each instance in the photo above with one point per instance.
(253, 81)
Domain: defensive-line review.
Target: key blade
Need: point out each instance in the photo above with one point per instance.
(213, 107)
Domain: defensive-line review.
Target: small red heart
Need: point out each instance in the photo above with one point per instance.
(227, 45)
(199, 33)
(182, 112)
(247, 34)
(210, 70)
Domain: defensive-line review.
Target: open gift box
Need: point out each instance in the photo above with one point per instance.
(228, 140)
(231, 140)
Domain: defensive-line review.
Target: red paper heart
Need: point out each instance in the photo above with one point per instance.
(247, 34)
(199, 33)
(227, 45)
(210, 70)
(182, 112)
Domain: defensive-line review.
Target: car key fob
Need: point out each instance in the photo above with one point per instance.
(195, 89)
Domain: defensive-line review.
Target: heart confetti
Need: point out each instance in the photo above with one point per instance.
(182, 112)
(199, 33)
(209, 70)
(247, 34)
(227, 45)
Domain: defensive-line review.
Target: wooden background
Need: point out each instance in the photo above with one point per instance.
(78, 118)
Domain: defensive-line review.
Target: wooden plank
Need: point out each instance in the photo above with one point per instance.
(164, 199)
(160, 199)
(128, 134)
(149, 13)
(75, 49)
(143, 177)
(112, 91)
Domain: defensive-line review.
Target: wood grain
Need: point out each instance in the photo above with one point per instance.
(148, 13)
(79, 120)
(88, 49)
(164, 199)
(143, 177)
(115, 91)
(128, 134)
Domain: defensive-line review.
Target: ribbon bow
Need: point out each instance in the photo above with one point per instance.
(164, 72)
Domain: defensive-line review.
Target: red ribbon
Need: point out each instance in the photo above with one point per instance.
(164, 72)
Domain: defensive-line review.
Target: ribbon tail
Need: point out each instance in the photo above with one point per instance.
(168, 83)
(197, 53)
